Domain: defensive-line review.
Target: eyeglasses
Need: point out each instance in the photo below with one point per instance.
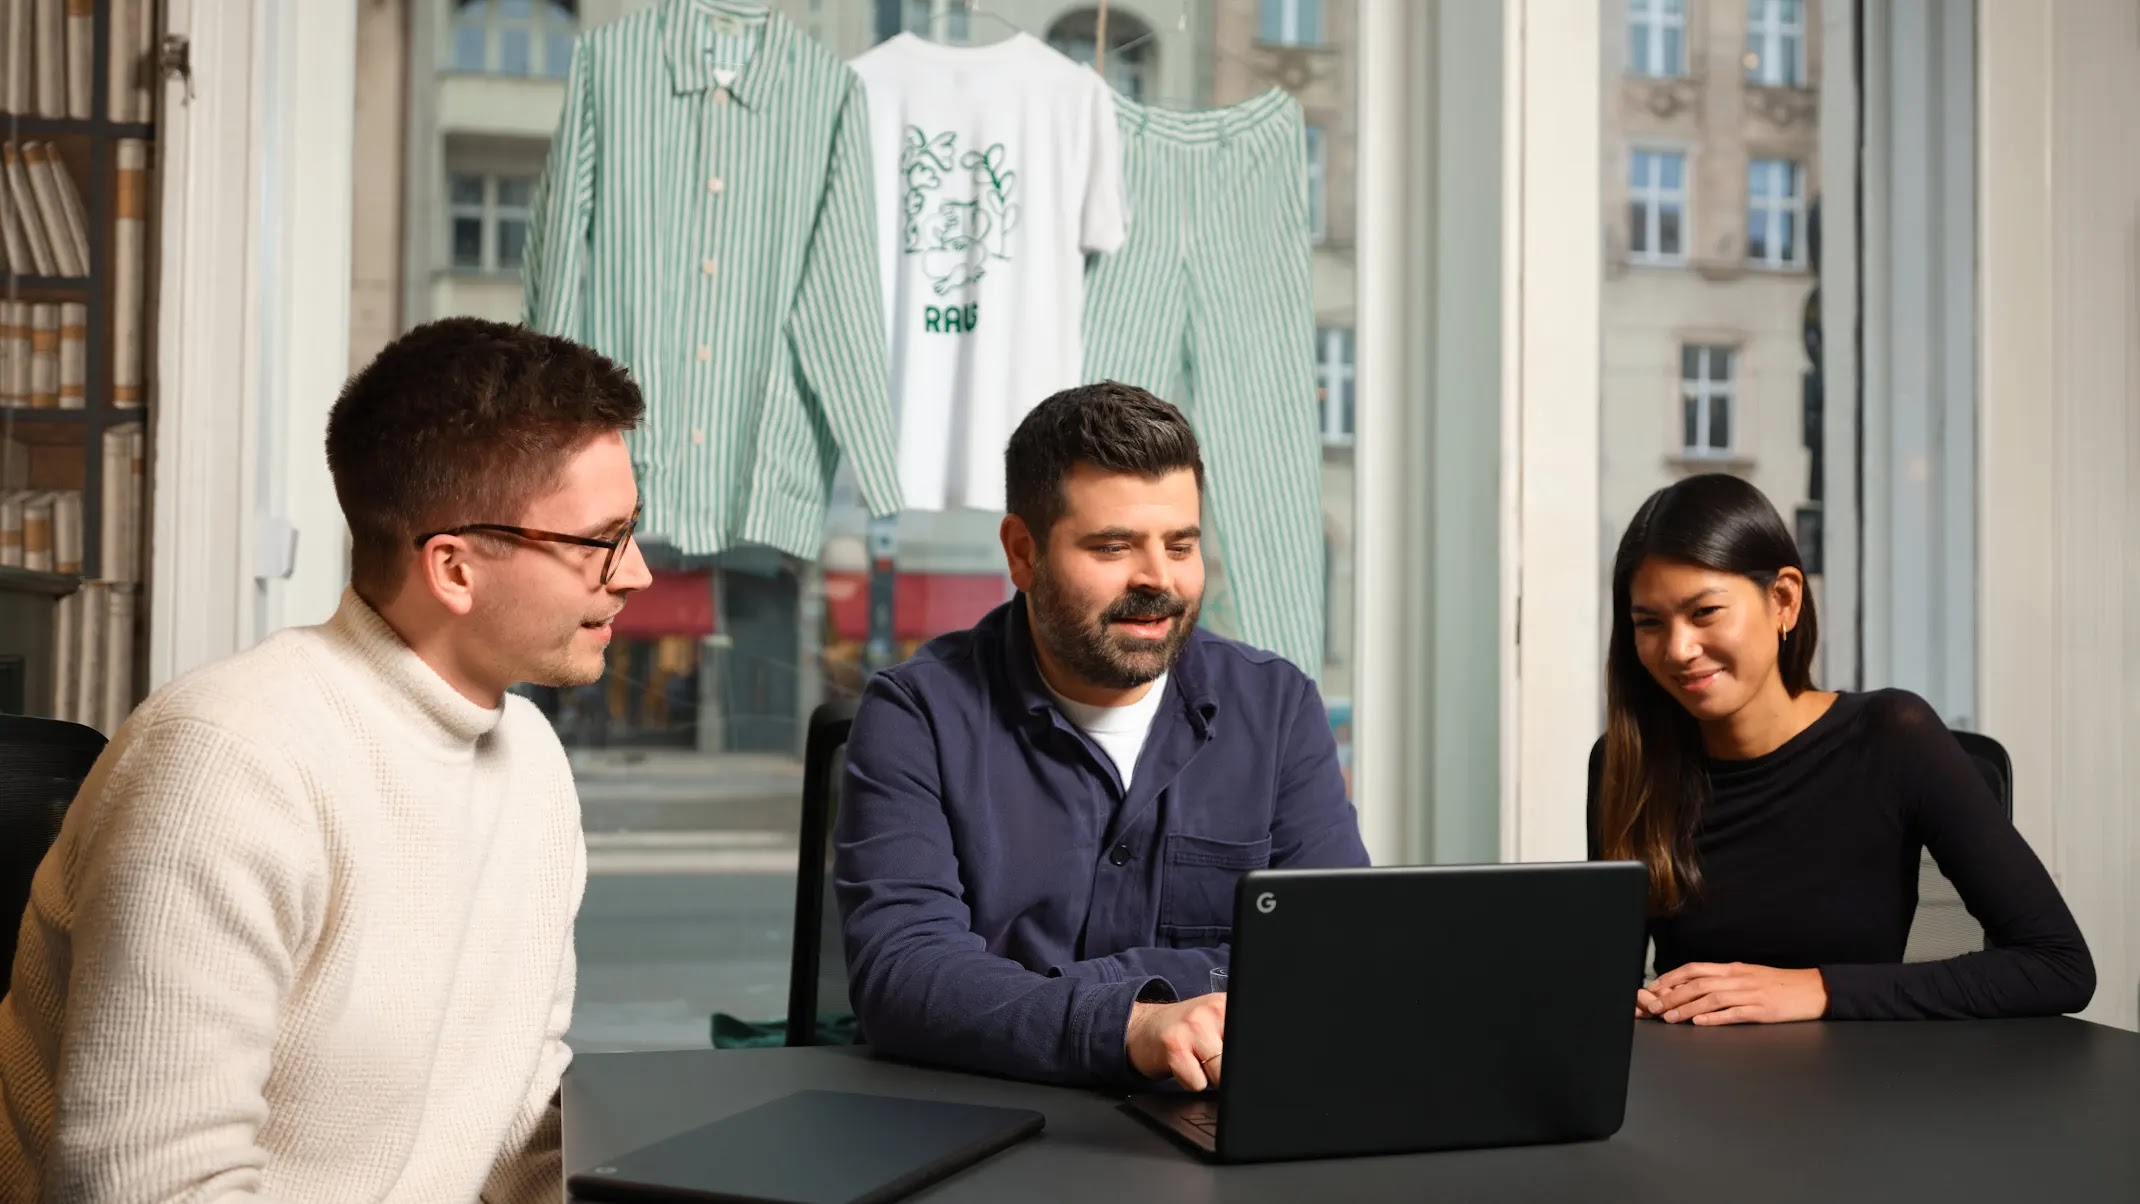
(615, 547)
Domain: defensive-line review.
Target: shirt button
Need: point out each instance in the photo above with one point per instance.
(1120, 855)
(714, 184)
(698, 436)
(704, 354)
(706, 266)
(720, 96)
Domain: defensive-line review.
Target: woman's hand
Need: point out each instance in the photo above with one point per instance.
(1707, 993)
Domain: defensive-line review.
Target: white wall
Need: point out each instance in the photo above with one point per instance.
(2059, 643)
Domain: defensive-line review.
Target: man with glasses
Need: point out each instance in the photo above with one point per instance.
(307, 931)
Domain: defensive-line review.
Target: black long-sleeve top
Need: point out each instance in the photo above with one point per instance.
(1809, 857)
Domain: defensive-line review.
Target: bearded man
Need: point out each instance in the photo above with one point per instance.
(1044, 816)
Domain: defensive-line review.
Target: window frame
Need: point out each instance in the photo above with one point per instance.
(1702, 389)
(1657, 196)
(1290, 23)
(1318, 182)
(1655, 19)
(490, 214)
(1771, 39)
(488, 17)
(1132, 58)
(1337, 375)
(1769, 209)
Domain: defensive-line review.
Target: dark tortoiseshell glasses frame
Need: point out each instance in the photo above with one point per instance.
(615, 547)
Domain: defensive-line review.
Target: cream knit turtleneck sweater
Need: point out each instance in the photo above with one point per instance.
(305, 936)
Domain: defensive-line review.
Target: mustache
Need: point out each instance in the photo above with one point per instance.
(1145, 604)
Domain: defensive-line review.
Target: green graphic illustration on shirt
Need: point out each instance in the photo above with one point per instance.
(956, 236)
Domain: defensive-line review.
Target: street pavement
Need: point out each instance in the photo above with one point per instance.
(690, 893)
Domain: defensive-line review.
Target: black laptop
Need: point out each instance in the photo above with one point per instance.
(1385, 1011)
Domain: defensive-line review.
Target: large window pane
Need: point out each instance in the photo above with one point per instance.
(1852, 410)
(687, 754)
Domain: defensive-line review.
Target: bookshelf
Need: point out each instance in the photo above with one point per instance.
(46, 449)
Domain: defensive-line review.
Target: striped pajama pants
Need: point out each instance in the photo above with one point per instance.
(1208, 304)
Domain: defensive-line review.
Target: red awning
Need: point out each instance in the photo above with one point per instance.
(923, 604)
(675, 604)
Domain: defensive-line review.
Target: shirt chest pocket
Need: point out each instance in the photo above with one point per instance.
(1196, 891)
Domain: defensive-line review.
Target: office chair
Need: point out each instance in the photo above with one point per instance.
(42, 764)
(817, 968)
(1942, 927)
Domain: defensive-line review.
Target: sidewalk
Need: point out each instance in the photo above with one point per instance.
(677, 791)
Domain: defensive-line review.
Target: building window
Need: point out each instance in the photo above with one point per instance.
(1776, 42)
(487, 220)
(1657, 37)
(1291, 23)
(1707, 401)
(1318, 182)
(1656, 206)
(1077, 36)
(1333, 383)
(514, 37)
(1775, 213)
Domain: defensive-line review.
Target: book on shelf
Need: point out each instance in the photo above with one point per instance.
(11, 508)
(67, 532)
(11, 236)
(130, 266)
(44, 356)
(50, 55)
(70, 243)
(27, 214)
(125, 465)
(90, 618)
(14, 354)
(81, 57)
(66, 658)
(73, 355)
(37, 532)
(66, 212)
(133, 34)
(15, 38)
(118, 657)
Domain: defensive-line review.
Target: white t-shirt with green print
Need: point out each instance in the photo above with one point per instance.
(999, 168)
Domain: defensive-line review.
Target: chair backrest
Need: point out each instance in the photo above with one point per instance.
(1942, 926)
(817, 966)
(42, 764)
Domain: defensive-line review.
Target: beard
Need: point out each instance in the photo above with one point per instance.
(1113, 660)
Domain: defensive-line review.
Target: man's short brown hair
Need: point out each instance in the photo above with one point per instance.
(463, 421)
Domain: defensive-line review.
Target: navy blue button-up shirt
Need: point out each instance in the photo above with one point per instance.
(1006, 901)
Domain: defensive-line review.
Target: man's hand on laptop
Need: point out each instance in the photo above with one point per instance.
(1180, 1039)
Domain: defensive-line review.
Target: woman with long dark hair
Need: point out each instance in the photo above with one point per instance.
(1782, 825)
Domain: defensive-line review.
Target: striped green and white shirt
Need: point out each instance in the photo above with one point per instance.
(705, 219)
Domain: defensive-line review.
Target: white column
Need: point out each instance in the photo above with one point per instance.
(201, 542)
(2060, 453)
(252, 326)
(308, 122)
(1385, 722)
(1551, 280)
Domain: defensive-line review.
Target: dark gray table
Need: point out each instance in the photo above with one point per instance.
(2017, 1112)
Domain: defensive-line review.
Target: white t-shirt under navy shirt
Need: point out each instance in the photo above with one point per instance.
(1119, 731)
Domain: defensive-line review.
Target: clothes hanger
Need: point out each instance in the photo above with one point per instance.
(972, 9)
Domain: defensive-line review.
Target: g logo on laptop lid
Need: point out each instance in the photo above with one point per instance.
(1266, 902)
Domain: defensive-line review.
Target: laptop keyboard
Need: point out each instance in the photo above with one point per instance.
(1202, 1116)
